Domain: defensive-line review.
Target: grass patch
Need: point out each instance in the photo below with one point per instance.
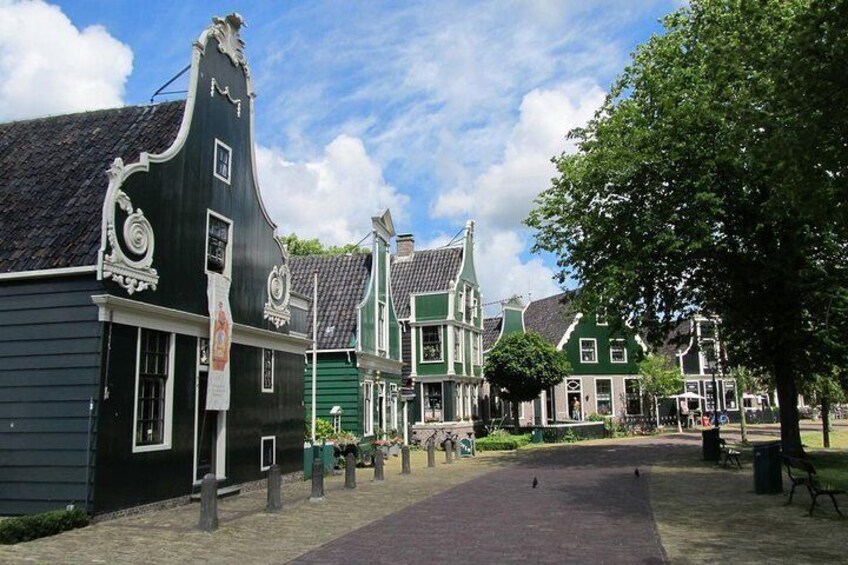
(26, 528)
(813, 440)
(831, 467)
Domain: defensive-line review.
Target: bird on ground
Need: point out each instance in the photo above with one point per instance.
(636, 472)
(535, 482)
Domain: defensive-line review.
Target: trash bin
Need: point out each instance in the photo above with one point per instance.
(538, 436)
(767, 474)
(324, 452)
(710, 444)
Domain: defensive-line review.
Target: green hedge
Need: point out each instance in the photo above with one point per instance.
(26, 528)
(502, 442)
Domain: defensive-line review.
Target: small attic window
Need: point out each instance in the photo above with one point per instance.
(223, 161)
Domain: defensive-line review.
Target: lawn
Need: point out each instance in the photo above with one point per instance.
(831, 464)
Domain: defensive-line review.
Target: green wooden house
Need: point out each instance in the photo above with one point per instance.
(358, 336)
(440, 309)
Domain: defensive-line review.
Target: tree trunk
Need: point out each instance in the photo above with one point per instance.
(787, 395)
(825, 404)
(516, 423)
(743, 418)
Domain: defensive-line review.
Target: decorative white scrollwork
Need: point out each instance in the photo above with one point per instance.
(279, 295)
(226, 93)
(133, 274)
(226, 31)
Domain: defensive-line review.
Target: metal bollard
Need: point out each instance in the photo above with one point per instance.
(350, 470)
(405, 468)
(274, 503)
(208, 504)
(431, 454)
(448, 451)
(457, 450)
(317, 481)
(378, 465)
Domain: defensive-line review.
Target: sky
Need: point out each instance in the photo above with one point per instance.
(441, 111)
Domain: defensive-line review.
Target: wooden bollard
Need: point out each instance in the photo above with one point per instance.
(448, 451)
(274, 503)
(378, 465)
(208, 504)
(350, 471)
(457, 449)
(431, 454)
(317, 481)
(405, 467)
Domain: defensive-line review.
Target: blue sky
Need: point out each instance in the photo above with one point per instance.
(442, 111)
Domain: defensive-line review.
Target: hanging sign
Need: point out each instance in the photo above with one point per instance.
(221, 332)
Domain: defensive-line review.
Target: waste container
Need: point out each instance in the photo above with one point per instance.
(324, 452)
(710, 445)
(538, 436)
(767, 474)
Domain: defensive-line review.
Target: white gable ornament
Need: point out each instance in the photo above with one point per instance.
(279, 295)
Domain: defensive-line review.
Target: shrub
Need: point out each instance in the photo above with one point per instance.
(595, 417)
(501, 440)
(323, 429)
(28, 528)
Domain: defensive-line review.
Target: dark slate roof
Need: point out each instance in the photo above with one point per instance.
(550, 316)
(428, 270)
(342, 280)
(53, 179)
(677, 339)
(491, 332)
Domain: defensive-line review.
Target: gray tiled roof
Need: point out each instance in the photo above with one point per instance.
(53, 179)
(342, 280)
(677, 339)
(550, 316)
(491, 332)
(428, 270)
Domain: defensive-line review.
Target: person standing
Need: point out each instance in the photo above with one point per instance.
(575, 410)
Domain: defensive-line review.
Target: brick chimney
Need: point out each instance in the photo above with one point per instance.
(405, 245)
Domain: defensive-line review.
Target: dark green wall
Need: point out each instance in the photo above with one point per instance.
(337, 385)
(588, 328)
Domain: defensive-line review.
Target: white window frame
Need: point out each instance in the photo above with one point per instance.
(262, 372)
(626, 400)
(221, 145)
(169, 398)
(368, 408)
(228, 259)
(475, 349)
(262, 452)
(458, 344)
(382, 327)
(612, 395)
(594, 346)
(623, 343)
(441, 358)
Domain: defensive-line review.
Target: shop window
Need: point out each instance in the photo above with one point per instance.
(432, 402)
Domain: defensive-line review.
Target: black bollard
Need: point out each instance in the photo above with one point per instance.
(431, 454)
(457, 450)
(405, 468)
(317, 481)
(350, 470)
(378, 465)
(208, 504)
(274, 503)
(448, 451)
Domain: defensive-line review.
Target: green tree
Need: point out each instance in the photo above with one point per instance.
(714, 180)
(521, 365)
(746, 380)
(298, 247)
(660, 378)
(825, 389)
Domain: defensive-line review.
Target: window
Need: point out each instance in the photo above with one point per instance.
(368, 407)
(431, 398)
(267, 370)
(268, 452)
(431, 344)
(708, 356)
(602, 317)
(381, 327)
(154, 391)
(457, 345)
(633, 397)
(223, 161)
(730, 395)
(603, 396)
(588, 351)
(475, 349)
(217, 245)
(618, 351)
(468, 299)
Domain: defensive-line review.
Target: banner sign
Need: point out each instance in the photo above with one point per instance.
(221, 331)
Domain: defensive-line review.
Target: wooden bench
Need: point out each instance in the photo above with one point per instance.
(802, 472)
(729, 454)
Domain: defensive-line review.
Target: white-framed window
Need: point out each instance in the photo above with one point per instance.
(633, 397)
(222, 168)
(431, 402)
(219, 232)
(268, 452)
(467, 304)
(709, 356)
(618, 351)
(603, 397)
(457, 402)
(382, 326)
(368, 407)
(267, 370)
(393, 405)
(588, 350)
(431, 344)
(457, 345)
(475, 349)
(154, 391)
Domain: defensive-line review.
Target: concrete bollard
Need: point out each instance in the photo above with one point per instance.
(405, 468)
(274, 503)
(208, 504)
(431, 454)
(448, 451)
(378, 465)
(457, 450)
(317, 481)
(350, 470)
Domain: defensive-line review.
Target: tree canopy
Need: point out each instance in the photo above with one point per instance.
(521, 365)
(713, 180)
(297, 247)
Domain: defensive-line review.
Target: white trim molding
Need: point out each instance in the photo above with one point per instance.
(372, 362)
(279, 296)
(49, 273)
(262, 452)
(567, 335)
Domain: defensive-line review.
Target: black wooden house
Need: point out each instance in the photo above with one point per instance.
(114, 225)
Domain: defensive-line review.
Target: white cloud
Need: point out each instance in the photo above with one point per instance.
(50, 66)
(332, 198)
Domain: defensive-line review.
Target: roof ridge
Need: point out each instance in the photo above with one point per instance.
(95, 111)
